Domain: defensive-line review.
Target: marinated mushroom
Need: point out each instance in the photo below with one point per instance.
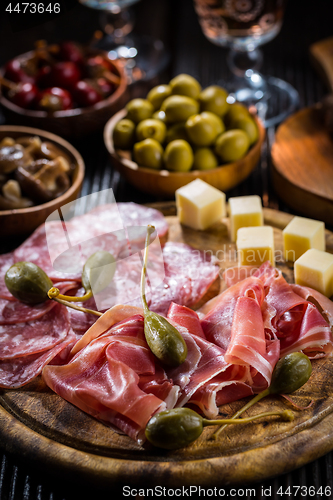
(46, 182)
(11, 196)
(32, 171)
(12, 157)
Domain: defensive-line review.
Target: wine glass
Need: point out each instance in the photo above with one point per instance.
(243, 25)
(143, 56)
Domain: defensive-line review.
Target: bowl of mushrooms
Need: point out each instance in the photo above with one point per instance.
(39, 172)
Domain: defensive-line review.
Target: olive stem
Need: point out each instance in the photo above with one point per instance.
(254, 400)
(78, 308)
(55, 292)
(150, 230)
(285, 415)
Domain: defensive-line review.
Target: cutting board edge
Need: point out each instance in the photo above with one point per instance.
(239, 468)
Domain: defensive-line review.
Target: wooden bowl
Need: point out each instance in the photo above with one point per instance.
(163, 183)
(22, 221)
(74, 122)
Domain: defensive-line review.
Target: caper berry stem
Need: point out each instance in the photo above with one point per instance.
(55, 292)
(150, 230)
(285, 415)
(78, 308)
(248, 405)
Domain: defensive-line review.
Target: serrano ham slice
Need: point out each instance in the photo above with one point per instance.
(101, 384)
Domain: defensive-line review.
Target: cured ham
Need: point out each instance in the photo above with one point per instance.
(103, 385)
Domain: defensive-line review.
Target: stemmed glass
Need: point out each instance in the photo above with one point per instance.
(243, 25)
(143, 56)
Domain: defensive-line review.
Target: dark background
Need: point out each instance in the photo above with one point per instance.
(175, 22)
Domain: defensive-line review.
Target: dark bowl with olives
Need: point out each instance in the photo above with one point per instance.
(66, 88)
(181, 132)
(39, 172)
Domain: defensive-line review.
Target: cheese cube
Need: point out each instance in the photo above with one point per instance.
(315, 269)
(245, 211)
(200, 205)
(300, 235)
(255, 245)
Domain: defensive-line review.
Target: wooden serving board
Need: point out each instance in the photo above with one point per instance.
(40, 426)
(303, 165)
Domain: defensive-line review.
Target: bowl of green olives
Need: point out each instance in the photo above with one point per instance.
(39, 172)
(181, 132)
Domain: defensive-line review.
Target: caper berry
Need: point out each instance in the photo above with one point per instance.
(28, 283)
(98, 271)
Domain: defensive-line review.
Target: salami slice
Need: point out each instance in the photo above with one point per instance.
(18, 371)
(14, 311)
(35, 336)
(6, 260)
(35, 249)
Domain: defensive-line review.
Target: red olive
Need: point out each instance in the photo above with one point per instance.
(64, 74)
(85, 95)
(15, 73)
(97, 65)
(25, 95)
(43, 78)
(55, 99)
(105, 86)
(69, 51)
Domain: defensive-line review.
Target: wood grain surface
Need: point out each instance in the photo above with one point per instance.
(303, 165)
(37, 424)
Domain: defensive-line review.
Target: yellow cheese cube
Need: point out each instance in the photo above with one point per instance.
(255, 245)
(315, 269)
(244, 211)
(200, 205)
(300, 235)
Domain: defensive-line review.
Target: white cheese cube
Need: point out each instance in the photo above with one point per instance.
(200, 205)
(300, 235)
(315, 269)
(255, 245)
(245, 211)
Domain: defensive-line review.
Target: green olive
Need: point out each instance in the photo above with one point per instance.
(124, 134)
(214, 99)
(98, 271)
(178, 156)
(28, 283)
(290, 373)
(185, 85)
(173, 429)
(215, 120)
(204, 159)
(139, 109)
(232, 145)
(158, 94)
(248, 125)
(176, 131)
(178, 108)
(151, 128)
(201, 130)
(235, 112)
(148, 153)
(159, 115)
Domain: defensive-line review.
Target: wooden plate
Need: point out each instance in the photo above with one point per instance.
(164, 183)
(38, 425)
(303, 165)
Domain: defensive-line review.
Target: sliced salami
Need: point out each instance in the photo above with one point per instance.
(18, 371)
(6, 260)
(35, 336)
(14, 311)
